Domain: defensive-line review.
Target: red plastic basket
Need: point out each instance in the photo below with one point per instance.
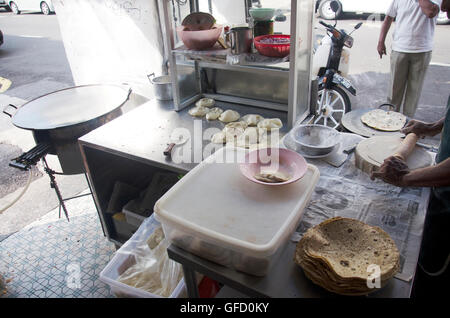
(272, 49)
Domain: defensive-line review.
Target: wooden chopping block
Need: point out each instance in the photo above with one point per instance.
(370, 153)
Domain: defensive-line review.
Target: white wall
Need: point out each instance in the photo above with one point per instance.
(226, 12)
(112, 41)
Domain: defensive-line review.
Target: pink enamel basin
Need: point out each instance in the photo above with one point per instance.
(274, 159)
(199, 40)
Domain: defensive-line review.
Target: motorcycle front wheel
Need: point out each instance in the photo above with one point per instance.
(332, 104)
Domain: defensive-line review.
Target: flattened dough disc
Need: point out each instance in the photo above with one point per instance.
(352, 122)
(370, 153)
(384, 120)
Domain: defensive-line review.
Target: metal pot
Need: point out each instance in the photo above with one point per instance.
(61, 117)
(162, 86)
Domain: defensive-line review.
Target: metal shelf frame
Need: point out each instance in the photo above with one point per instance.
(186, 73)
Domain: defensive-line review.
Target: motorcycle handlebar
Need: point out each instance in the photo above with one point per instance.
(329, 27)
(326, 25)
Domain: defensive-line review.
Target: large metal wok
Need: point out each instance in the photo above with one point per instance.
(59, 118)
(352, 122)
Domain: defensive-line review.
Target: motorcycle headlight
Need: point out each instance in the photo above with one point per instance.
(348, 41)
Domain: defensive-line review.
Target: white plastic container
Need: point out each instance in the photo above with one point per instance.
(123, 259)
(218, 214)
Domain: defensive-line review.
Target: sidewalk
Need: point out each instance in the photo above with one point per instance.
(54, 258)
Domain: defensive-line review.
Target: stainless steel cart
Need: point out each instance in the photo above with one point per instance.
(248, 79)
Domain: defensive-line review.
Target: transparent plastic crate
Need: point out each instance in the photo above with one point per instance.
(122, 260)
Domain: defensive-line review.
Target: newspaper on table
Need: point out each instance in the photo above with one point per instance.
(349, 192)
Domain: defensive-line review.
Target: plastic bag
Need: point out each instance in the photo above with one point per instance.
(153, 271)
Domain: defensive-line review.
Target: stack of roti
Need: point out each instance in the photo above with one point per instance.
(384, 120)
(342, 255)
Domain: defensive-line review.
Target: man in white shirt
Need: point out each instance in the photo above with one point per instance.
(411, 49)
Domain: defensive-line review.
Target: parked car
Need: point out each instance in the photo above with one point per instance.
(4, 4)
(46, 7)
(358, 6)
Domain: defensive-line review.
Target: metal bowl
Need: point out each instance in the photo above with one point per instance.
(315, 140)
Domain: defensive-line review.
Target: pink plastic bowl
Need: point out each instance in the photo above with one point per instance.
(199, 40)
(289, 162)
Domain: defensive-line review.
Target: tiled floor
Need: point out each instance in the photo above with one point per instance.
(57, 259)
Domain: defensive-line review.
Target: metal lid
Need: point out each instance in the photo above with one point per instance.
(70, 106)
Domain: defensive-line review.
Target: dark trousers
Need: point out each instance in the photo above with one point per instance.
(434, 251)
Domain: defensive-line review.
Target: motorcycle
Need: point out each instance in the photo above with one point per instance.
(333, 101)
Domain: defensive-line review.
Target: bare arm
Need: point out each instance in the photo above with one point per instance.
(381, 48)
(396, 172)
(429, 8)
(434, 176)
(422, 129)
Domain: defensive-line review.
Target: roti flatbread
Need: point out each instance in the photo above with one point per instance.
(338, 253)
(384, 120)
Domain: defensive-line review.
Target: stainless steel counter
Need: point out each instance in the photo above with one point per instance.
(284, 280)
(144, 133)
(130, 148)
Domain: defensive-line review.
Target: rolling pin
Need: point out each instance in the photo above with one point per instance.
(370, 153)
(406, 147)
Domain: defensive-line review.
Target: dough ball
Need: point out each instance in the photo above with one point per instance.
(219, 138)
(234, 130)
(268, 140)
(198, 111)
(252, 119)
(244, 141)
(269, 124)
(255, 132)
(233, 133)
(229, 116)
(237, 124)
(214, 113)
(251, 136)
(205, 102)
(272, 177)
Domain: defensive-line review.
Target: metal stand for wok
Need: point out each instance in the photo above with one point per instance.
(51, 173)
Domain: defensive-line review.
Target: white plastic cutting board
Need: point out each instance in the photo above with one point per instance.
(217, 201)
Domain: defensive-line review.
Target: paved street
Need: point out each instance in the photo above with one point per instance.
(33, 55)
(371, 75)
(364, 55)
(33, 59)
